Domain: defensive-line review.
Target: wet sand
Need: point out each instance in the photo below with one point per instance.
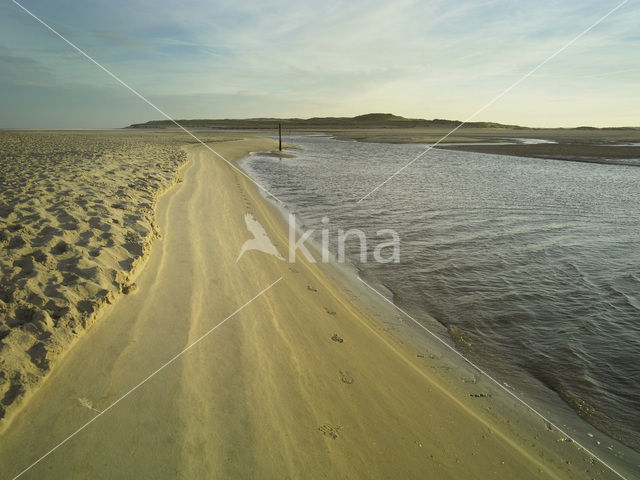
(609, 154)
(611, 146)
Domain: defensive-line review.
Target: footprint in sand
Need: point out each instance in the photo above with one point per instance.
(472, 379)
(337, 338)
(330, 430)
(311, 289)
(345, 377)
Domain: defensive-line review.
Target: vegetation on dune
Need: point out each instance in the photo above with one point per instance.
(369, 120)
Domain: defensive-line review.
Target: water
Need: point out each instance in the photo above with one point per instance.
(535, 261)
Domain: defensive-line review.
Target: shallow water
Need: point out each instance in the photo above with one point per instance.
(534, 261)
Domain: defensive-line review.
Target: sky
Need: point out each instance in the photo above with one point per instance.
(241, 59)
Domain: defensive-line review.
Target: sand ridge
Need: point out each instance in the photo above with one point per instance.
(76, 221)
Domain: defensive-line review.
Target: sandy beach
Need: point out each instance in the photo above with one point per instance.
(312, 379)
(309, 240)
(77, 220)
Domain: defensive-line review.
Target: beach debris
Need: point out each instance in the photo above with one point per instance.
(330, 430)
(85, 402)
(480, 395)
(345, 377)
(311, 289)
(337, 338)
(329, 311)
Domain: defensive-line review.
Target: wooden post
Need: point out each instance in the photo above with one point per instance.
(280, 136)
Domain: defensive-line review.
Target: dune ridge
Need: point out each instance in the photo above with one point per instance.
(76, 222)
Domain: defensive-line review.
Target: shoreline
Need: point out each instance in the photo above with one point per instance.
(615, 151)
(532, 391)
(273, 378)
(408, 335)
(602, 154)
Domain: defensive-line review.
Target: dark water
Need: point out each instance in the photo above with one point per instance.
(535, 261)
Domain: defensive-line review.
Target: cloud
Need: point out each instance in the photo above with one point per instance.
(417, 58)
(117, 39)
(22, 70)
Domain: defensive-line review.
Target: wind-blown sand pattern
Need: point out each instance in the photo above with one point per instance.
(76, 219)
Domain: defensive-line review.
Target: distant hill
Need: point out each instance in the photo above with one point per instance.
(369, 120)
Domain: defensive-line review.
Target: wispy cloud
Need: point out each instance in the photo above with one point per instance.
(416, 58)
(19, 70)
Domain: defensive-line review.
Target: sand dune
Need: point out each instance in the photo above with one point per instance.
(76, 220)
(311, 380)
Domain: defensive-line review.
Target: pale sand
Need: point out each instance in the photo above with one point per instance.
(76, 220)
(269, 394)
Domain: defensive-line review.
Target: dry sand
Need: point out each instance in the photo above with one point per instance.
(76, 219)
(273, 392)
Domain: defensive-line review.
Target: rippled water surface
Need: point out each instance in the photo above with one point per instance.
(535, 261)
